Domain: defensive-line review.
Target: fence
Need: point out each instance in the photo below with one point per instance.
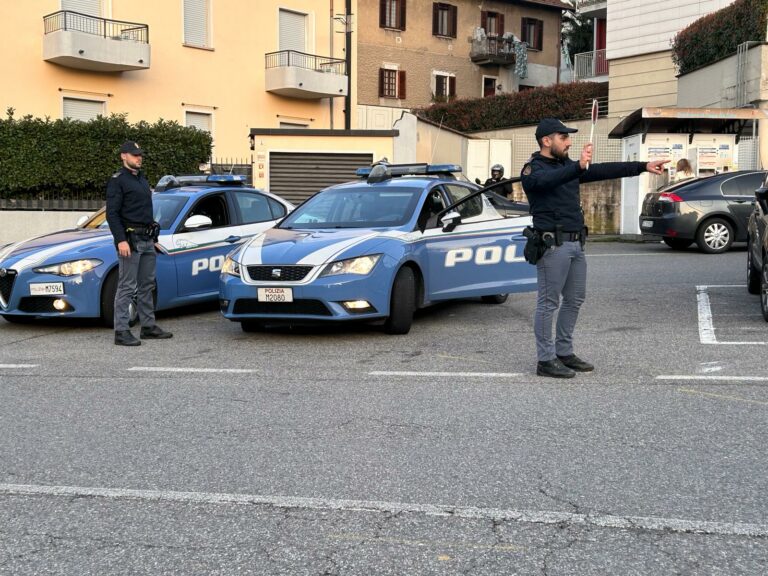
(114, 29)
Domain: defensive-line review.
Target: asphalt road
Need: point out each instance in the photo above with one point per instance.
(346, 451)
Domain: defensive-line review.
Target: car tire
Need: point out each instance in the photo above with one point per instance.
(764, 289)
(495, 299)
(402, 303)
(753, 274)
(677, 243)
(252, 326)
(14, 319)
(108, 291)
(715, 236)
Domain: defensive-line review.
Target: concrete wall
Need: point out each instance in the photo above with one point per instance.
(648, 80)
(16, 225)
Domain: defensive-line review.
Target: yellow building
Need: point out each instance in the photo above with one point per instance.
(221, 66)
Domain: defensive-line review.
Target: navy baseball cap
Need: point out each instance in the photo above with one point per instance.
(130, 147)
(549, 126)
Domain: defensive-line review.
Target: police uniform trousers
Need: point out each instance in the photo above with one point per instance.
(136, 275)
(562, 271)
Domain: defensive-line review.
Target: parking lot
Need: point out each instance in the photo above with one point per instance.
(342, 450)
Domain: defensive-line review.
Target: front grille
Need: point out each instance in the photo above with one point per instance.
(295, 308)
(285, 274)
(39, 304)
(6, 286)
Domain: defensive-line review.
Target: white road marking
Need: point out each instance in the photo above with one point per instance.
(198, 370)
(710, 377)
(677, 525)
(706, 325)
(19, 365)
(461, 374)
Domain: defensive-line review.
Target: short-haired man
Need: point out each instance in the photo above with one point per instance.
(551, 182)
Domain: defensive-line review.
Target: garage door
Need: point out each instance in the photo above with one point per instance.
(297, 176)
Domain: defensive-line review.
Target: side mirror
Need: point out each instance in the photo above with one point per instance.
(477, 181)
(80, 221)
(198, 221)
(450, 221)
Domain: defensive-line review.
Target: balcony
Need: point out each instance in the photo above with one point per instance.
(92, 43)
(592, 66)
(492, 51)
(593, 8)
(299, 75)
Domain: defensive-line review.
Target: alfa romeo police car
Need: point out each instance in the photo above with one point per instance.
(73, 273)
(402, 237)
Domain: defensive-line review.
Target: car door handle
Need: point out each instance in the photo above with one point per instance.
(232, 239)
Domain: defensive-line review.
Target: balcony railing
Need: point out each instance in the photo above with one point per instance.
(286, 58)
(114, 29)
(492, 50)
(590, 65)
(583, 4)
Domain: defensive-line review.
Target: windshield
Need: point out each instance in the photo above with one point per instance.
(165, 209)
(356, 207)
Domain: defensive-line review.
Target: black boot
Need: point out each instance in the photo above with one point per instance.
(575, 363)
(154, 333)
(554, 368)
(126, 338)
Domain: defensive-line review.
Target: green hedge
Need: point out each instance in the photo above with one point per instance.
(565, 101)
(718, 34)
(64, 158)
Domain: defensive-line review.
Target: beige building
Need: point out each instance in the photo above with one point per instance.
(414, 52)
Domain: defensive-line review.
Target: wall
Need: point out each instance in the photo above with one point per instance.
(648, 80)
(16, 225)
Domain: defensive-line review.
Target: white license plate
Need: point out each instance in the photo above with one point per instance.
(275, 294)
(647, 223)
(46, 289)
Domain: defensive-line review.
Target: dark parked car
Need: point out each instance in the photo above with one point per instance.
(757, 248)
(711, 211)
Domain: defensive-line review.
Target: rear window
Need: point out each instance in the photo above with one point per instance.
(742, 185)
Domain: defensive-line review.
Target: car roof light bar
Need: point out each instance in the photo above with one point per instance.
(169, 181)
(412, 169)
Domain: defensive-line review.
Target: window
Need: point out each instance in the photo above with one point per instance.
(392, 14)
(199, 120)
(492, 23)
(293, 125)
(256, 208)
(214, 207)
(468, 209)
(84, 110)
(89, 7)
(532, 33)
(391, 83)
(197, 23)
(293, 31)
(444, 20)
(433, 205)
(445, 87)
(742, 185)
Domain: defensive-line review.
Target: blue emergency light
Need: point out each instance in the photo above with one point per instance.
(412, 169)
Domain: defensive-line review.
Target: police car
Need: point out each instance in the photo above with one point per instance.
(400, 238)
(73, 273)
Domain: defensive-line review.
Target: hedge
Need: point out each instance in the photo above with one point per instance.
(565, 101)
(718, 34)
(68, 157)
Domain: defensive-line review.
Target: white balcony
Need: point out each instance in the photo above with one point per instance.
(591, 66)
(298, 75)
(593, 8)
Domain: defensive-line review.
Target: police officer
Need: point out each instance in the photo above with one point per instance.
(551, 182)
(130, 218)
(497, 175)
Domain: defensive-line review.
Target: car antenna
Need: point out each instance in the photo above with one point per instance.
(434, 145)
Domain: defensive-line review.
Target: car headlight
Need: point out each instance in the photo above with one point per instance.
(362, 265)
(230, 267)
(73, 268)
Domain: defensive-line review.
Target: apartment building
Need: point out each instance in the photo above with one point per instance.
(414, 52)
(592, 66)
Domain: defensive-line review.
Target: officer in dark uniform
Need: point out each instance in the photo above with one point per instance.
(551, 182)
(497, 175)
(130, 218)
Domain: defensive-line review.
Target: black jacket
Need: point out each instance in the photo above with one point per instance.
(129, 201)
(552, 188)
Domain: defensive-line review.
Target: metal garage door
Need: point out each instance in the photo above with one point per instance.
(296, 176)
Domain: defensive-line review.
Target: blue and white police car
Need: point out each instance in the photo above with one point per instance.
(73, 273)
(400, 238)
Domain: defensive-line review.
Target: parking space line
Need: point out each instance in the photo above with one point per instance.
(194, 370)
(19, 365)
(460, 374)
(721, 396)
(706, 325)
(710, 377)
(659, 524)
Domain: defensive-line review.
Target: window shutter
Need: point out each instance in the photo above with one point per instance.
(539, 41)
(500, 24)
(196, 23)
(382, 13)
(435, 19)
(401, 84)
(89, 7)
(199, 120)
(484, 20)
(401, 8)
(452, 17)
(83, 110)
(381, 83)
(451, 87)
(293, 31)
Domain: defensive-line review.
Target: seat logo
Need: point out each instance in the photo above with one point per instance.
(276, 273)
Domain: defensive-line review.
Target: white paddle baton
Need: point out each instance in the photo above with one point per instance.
(595, 111)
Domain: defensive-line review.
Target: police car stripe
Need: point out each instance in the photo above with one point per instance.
(8, 250)
(40, 257)
(253, 250)
(329, 252)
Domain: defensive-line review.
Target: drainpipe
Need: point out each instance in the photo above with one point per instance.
(330, 53)
(348, 58)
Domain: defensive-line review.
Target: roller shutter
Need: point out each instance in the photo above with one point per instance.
(84, 110)
(196, 23)
(199, 120)
(297, 176)
(90, 7)
(293, 31)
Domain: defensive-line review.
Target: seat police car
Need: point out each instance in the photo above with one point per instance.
(73, 273)
(401, 238)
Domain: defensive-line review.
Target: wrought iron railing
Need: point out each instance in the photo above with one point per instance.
(590, 64)
(114, 29)
(285, 58)
(493, 47)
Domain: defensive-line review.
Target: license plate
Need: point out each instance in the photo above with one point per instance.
(46, 289)
(275, 294)
(647, 223)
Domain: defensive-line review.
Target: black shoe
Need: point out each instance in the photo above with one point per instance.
(154, 333)
(575, 363)
(554, 368)
(126, 338)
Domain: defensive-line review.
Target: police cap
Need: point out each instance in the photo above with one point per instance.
(549, 126)
(130, 147)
